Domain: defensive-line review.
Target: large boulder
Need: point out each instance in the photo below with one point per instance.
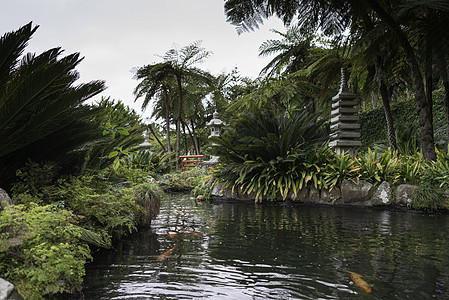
(8, 292)
(383, 195)
(359, 193)
(4, 199)
(404, 194)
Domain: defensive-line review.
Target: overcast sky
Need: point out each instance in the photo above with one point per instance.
(116, 35)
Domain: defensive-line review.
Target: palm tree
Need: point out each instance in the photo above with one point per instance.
(179, 66)
(293, 51)
(156, 82)
(39, 105)
(333, 17)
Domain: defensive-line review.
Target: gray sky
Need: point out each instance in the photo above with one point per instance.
(116, 35)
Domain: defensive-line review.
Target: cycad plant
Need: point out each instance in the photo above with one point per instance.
(265, 153)
(41, 112)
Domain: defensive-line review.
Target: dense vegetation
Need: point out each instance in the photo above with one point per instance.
(82, 175)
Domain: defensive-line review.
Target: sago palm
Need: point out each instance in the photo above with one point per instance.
(39, 104)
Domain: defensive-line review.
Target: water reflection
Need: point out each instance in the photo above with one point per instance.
(247, 251)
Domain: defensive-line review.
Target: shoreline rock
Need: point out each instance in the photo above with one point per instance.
(357, 194)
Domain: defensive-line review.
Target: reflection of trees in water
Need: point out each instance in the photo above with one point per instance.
(292, 248)
(110, 265)
(402, 249)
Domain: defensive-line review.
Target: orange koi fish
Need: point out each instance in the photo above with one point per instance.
(358, 281)
(191, 232)
(165, 254)
(171, 234)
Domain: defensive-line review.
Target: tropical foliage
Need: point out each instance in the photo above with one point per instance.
(261, 151)
(80, 175)
(41, 111)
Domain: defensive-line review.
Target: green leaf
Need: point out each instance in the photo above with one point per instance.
(113, 154)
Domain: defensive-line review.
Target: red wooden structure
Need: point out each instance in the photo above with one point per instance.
(190, 161)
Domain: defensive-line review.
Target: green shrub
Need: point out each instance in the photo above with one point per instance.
(339, 167)
(183, 181)
(148, 196)
(271, 155)
(40, 250)
(204, 188)
(109, 209)
(429, 196)
(36, 180)
(373, 125)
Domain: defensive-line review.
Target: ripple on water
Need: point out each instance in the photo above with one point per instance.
(242, 251)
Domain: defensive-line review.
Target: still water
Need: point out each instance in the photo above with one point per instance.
(247, 251)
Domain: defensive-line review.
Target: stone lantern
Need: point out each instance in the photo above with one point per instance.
(215, 126)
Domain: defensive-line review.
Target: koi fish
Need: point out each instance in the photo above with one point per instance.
(165, 254)
(191, 232)
(172, 234)
(358, 281)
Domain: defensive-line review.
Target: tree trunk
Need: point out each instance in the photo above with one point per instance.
(383, 91)
(388, 117)
(167, 118)
(185, 139)
(178, 121)
(195, 138)
(178, 133)
(446, 101)
(423, 104)
(150, 126)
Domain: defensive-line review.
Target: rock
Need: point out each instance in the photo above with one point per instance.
(4, 199)
(331, 197)
(356, 193)
(404, 194)
(8, 292)
(303, 196)
(218, 190)
(383, 195)
(314, 195)
(201, 198)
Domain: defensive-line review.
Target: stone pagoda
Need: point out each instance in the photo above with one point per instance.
(344, 120)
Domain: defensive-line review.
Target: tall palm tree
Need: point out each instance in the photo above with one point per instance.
(178, 66)
(39, 103)
(156, 82)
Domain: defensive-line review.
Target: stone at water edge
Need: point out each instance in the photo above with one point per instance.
(8, 292)
(5, 200)
(404, 194)
(383, 195)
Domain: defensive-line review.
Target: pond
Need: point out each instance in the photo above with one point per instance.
(242, 250)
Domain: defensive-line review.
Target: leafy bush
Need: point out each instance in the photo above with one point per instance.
(183, 181)
(40, 250)
(429, 196)
(148, 196)
(204, 186)
(373, 125)
(268, 154)
(108, 209)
